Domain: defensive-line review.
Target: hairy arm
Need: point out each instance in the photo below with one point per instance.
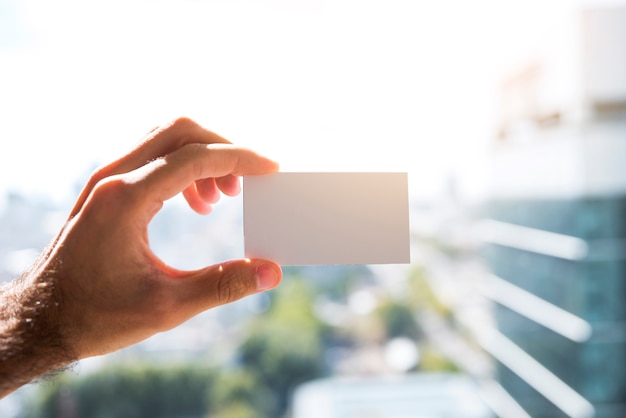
(31, 343)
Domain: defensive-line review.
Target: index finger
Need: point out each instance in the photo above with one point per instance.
(165, 177)
(164, 140)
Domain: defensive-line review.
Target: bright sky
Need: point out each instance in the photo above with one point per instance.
(397, 85)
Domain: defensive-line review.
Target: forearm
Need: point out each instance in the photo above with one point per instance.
(31, 343)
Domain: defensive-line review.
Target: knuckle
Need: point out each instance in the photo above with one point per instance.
(183, 123)
(176, 132)
(232, 286)
(98, 174)
(113, 191)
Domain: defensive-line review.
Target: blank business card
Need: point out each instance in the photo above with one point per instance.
(327, 218)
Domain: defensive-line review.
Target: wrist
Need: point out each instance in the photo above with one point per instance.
(32, 343)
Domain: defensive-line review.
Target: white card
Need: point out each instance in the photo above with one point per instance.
(327, 218)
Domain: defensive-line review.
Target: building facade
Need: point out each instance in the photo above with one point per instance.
(556, 218)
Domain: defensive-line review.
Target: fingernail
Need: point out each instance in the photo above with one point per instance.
(267, 277)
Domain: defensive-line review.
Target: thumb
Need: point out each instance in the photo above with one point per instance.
(229, 281)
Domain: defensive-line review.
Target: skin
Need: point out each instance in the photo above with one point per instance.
(99, 287)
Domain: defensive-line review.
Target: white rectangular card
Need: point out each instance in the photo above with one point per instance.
(327, 218)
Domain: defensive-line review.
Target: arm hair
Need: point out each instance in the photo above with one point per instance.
(31, 342)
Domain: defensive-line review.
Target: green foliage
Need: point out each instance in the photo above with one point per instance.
(129, 391)
(398, 320)
(237, 393)
(432, 361)
(423, 298)
(421, 295)
(285, 348)
(236, 410)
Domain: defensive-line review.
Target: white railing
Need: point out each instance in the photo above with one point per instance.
(536, 309)
(532, 239)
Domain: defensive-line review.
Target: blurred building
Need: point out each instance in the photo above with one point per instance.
(556, 227)
(418, 395)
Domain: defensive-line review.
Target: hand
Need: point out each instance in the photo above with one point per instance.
(104, 287)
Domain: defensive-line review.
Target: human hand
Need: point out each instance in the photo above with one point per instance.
(105, 288)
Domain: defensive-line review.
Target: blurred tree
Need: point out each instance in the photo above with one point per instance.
(422, 298)
(432, 360)
(398, 320)
(284, 347)
(126, 391)
(421, 295)
(238, 394)
(238, 409)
